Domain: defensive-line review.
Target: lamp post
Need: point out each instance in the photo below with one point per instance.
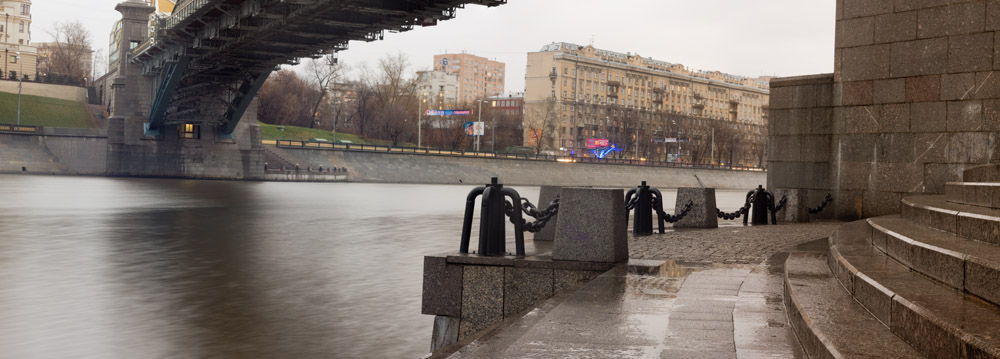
(20, 79)
(420, 113)
(493, 126)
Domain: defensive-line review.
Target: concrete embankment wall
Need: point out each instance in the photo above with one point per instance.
(63, 92)
(73, 152)
(406, 168)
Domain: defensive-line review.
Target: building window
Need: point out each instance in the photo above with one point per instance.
(25, 9)
(22, 26)
(20, 41)
(189, 130)
(13, 59)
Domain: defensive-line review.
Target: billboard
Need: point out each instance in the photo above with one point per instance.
(475, 128)
(593, 143)
(448, 112)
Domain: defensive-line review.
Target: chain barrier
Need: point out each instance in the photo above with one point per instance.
(781, 204)
(734, 215)
(541, 216)
(679, 216)
(827, 200)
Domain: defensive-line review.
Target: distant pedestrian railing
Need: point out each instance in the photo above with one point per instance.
(519, 156)
(19, 128)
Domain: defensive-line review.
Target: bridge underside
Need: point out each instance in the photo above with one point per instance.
(210, 57)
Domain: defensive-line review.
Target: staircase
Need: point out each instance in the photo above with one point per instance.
(925, 283)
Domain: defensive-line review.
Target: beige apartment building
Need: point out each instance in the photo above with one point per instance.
(478, 77)
(15, 28)
(652, 109)
(438, 90)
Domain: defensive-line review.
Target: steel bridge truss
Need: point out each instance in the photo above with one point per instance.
(210, 57)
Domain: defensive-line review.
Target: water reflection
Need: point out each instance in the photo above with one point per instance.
(106, 267)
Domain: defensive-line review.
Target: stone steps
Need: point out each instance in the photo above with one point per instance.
(982, 194)
(970, 266)
(828, 323)
(933, 317)
(935, 211)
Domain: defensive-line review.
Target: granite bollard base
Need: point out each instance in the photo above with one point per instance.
(703, 213)
(545, 196)
(796, 205)
(591, 226)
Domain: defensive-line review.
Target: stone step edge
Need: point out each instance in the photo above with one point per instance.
(966, 224)
(813, 340)
(982, 194)
(938, 255)
(858, 278)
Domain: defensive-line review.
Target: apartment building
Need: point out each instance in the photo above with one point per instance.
(438, 90)
(574, 93)
(478, 77)
(20, 56)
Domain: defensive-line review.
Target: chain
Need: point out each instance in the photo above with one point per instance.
(679, 216)
(631, 203)
(781, 204)
(541, 216)
(743, 210)
(826, 201)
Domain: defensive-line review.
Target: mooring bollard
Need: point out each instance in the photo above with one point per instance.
(493, 209)
(646, 200)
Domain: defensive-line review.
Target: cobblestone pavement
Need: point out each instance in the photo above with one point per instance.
(727, 244)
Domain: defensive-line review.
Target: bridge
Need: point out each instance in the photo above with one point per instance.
(209, 58)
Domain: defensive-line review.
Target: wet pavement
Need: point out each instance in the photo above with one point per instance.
(725, 304)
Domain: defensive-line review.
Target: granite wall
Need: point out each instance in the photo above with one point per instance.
(913, 100)
(80, 153)
(408, 168)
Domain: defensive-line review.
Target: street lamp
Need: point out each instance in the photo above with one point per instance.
(420, 112)
(20, 79)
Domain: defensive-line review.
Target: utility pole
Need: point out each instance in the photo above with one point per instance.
(480, 121)
(493, 127)
(420, 112)
(712, 160)
(20, 79)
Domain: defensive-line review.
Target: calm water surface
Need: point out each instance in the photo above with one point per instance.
(126, 268)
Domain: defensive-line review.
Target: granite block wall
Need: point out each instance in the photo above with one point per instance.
(914, 99)
(407, 168)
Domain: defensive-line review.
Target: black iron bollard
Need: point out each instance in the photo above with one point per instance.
(646, 201)
(763, 204)
(492, 231)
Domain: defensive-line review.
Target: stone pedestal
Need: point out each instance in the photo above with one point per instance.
(545, 196)
(591, 226)
(703, 212)
(796, 205)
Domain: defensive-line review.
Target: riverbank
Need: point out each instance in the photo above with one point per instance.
(717, 294)
(57, 151)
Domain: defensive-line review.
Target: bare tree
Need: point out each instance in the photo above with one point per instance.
(323, 72)
(540, 124)
(69, 50)
(397, 97)
(286, 99)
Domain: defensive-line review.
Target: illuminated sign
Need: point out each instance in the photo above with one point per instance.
(475, 128)
(600, 153)
(593, 143)
(448, 112)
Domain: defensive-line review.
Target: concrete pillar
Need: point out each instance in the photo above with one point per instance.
(796, 205)
(591, 226)
(703, 213)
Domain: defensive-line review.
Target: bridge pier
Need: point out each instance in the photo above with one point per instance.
(187, 150)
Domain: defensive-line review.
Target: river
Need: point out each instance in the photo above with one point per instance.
(95, 267)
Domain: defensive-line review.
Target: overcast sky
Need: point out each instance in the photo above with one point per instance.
(740, 37)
